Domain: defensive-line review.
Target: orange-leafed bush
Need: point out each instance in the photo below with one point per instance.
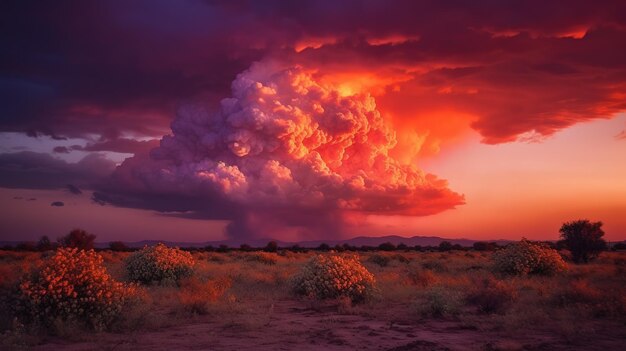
(159, 263)
(73, 286)
(195, 295)
(334, 276)
(525, 257)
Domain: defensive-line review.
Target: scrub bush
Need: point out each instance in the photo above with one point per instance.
(159, 264)
(73, 286)
(195, 295)
(439, 301)
(490, 295)
(262, 257)
(335, 276)
(525, 257)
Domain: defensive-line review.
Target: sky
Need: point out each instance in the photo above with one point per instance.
(205, 120)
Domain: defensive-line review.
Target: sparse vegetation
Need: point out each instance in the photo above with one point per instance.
(250, 293)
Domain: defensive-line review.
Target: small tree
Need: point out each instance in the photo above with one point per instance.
(323, 247)
(584, 239)
(272, 246)
(79, 239)
(387, 246)
(44, 244)
(118, 246)
(296, 248)
(445, 246)
(347, 247)
(26, 246)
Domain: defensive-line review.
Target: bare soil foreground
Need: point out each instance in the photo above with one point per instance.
(424, 301)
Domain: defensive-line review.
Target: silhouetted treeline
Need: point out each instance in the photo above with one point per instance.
(272, 246)
(84, 240)
(81, 239)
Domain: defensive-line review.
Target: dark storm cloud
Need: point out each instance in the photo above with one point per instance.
(57, 204)
(70, 68)
(73, 189)
(123, 145)
(41, 171)
(61, 150)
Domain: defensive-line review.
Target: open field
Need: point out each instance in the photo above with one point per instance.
(423, 301)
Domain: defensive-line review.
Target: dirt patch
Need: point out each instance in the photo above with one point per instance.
(292, 326)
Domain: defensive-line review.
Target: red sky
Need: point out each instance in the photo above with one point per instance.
(200, 120)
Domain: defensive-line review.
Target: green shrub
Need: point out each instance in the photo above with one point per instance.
(525, 257)
(334, 276)
(159, 264)
(440, 301)
(73, 286)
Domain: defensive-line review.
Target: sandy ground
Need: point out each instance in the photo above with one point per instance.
(292, 326)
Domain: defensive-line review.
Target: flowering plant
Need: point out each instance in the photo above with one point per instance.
(334, 276)
(73, 286)
(159, 263)
(525, 257)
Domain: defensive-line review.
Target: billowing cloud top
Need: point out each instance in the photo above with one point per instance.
(282, 145)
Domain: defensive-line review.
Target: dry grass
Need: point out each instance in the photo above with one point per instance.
(241, 289)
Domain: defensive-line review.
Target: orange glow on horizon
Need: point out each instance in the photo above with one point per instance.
(528, 189)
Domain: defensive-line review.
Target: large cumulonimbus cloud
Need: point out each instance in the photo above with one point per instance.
(286, 153)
